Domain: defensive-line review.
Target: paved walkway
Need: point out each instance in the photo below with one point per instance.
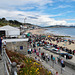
(68, 71)
(46, 65)
(57, 67)
(1, 67)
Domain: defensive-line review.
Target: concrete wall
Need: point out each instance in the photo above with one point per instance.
(70, 64)
(16, 46)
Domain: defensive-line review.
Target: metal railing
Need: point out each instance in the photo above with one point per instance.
(9, 67)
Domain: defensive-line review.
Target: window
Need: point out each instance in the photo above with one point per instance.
(21, 47)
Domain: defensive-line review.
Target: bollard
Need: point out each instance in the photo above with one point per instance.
(61, 70)
(13, 68)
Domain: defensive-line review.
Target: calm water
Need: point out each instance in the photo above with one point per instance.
(61, 31)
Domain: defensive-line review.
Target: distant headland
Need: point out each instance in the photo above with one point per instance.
(58, 26)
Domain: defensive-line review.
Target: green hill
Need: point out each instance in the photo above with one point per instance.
(15, 23)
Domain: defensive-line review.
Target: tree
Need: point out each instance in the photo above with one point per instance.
(3, 19)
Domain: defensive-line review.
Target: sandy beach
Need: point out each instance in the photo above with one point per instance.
(63, 44)
(36, 31)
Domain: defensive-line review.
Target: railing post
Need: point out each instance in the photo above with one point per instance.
(13, 68)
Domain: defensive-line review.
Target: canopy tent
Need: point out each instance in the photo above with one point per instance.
(9, 31)
(28, 34)
(43, 36)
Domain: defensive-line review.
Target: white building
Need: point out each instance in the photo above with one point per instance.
(19, 45)
(9, 31)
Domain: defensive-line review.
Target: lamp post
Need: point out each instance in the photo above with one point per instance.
(24, 20)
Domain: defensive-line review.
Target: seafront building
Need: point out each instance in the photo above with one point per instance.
(19, 45)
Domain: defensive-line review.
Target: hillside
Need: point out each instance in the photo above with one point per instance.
(14, 23)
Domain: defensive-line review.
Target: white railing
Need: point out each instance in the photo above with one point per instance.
(9, 67)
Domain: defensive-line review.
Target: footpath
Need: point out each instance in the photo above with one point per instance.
(46, 65)
(1, 67)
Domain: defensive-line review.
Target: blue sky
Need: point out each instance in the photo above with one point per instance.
(39, 12)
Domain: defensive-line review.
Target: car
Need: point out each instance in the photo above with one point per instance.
(55, 50)
(47, 47)
(67, 55)
(41, 44)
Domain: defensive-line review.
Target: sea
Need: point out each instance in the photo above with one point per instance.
(62, 32)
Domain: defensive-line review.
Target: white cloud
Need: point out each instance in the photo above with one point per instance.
(26, 8)
(69, 19)
(66, 0)
(62, 6)
(9, 9)
(39, 19)
(13, 4)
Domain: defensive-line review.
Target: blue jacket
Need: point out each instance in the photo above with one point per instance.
(0, 42)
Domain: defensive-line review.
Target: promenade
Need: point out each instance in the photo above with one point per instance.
(45, 65)
(49, 65)
(72, 60)
(67, 70)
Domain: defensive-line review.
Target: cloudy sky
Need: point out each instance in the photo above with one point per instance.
(39, 12)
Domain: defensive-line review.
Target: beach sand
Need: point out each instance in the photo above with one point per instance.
(36, 31)
(63, 44)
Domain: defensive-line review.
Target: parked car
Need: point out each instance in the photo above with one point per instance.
(41, 44)
(67, 55)
(47, 47)
(55, 50)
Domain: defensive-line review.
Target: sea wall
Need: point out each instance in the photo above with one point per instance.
(20, 46)
(70, 64)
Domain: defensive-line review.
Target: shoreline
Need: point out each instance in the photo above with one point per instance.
(61, 35)
(42, 32)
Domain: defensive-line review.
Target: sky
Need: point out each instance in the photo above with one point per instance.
(39, 12)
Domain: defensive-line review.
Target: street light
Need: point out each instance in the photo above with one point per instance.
(24, 20)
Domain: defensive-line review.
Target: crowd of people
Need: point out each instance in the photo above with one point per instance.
(59, 39)
(35, 41)
(41, 41)
(60, 47)
(42, 55)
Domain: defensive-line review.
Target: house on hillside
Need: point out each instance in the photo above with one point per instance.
(9, 31)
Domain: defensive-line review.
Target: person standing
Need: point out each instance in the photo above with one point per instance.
(56, 60)
(39, 49)
(56, 73)
(62, 61)
(0, 47)
(4, 43)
